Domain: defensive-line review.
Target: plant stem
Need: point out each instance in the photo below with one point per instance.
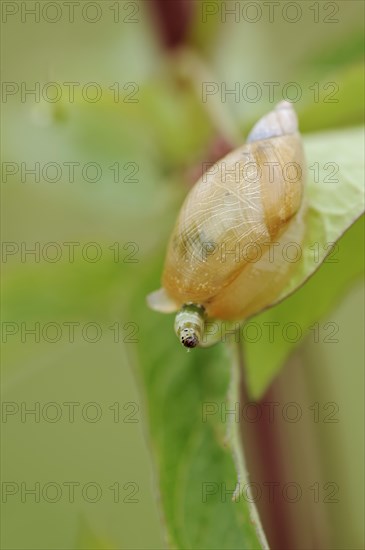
(193, 67)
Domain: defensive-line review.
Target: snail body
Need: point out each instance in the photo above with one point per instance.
(247, 206)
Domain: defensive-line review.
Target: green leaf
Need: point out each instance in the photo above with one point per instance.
(333, 207)
(335, 201)
(282, 328)
(193, 451)
(191, 438)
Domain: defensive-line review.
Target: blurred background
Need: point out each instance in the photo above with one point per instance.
(109, 110)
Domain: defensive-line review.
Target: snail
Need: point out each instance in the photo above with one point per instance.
(226, 255)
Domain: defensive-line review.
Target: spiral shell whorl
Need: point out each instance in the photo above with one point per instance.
(282, 121)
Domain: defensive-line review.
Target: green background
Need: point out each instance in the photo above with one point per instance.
(166, 133)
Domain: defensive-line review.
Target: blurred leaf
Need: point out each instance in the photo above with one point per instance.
(338, 53)
(338, 100)
(205, 28)
(247, 53)
(176, 117)
(333, 207)
(88, 540)
(325, 102)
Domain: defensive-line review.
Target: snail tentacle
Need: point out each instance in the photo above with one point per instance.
(189, 325)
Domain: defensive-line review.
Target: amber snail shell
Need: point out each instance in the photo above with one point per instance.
(219, 262)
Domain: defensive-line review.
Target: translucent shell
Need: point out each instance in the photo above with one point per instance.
(227, 250)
